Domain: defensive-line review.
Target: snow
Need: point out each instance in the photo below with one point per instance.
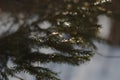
(45, 25)
(106, 25)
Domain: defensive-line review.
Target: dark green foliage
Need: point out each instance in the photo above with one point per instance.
(73, 24)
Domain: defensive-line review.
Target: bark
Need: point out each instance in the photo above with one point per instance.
(115, 29)
(28, 6)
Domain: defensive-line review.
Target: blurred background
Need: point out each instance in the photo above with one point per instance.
(104, 65)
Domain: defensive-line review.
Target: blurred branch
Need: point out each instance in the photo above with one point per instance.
(108, 56)
(18, 77)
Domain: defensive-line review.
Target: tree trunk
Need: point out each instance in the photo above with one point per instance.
(115, 30)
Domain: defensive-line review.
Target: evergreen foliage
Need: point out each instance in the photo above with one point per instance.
(73, 27)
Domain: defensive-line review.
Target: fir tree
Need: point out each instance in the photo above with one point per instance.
(73, 27)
